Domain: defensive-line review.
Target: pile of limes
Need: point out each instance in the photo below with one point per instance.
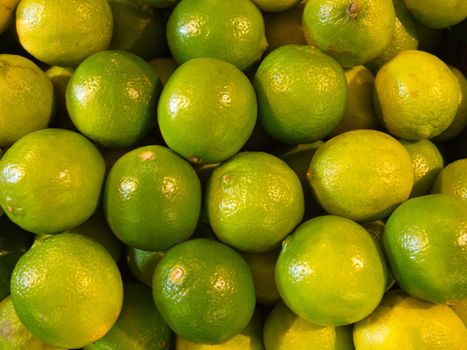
(233, 174)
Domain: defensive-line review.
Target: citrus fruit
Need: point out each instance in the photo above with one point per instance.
(405, 36)
(427, 162)
(460, 308)
(262, 267)
(331, 271)
(232, 31)
(249, 339)
(359, 112)
(97, 228)
(164, 67)
(353, 32)
(137, 28)
(284, 330)
(438, 14)
(452, 179)
(64, 33)
(460, 120)
(26, 98)
(152, 198)
(361, 174)
(424, 241)
(204, 291)
(67, 290)
(111, 98)
(301, 93)
(7, 14)
(139, 326)
(409, 323)
(50, 180)
(253, 201)
(142, 263)
(276, 5)
(207, 110)
(14, 242)
(13, 334)
(416, 95)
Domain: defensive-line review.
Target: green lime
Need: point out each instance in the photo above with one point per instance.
(453, 180)
(142, 263)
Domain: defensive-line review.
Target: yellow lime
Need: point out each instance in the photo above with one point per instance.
(67, 290)
(331, 271)
(453, 180)
(416, 95)
(253, 201)
(403, 322)
(284, 330)
(424, 242)
(207, 92)
(436, 13)
(204, 291)
(361, 174)
(50, 180)
(353, 32)
(232, 31)
(26, 98)
(301, 93)
(65, 32)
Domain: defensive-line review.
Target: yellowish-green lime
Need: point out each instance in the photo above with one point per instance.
(164, 67)
(436, 13)
(453, 180)
(142, 263)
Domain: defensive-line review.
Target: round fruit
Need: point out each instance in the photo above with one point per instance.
(64, 33)
(142, 263)
(26, 98)
(361, 174)
(424, 240)
(353, 32)
(50, 180)
(453, 180)
(416, 95)
(231, 31)
(139, 326)
(207, 110)
(407, 323)
(67, 290)
(111, 98)
(204, 291)
(284, 330)
(438, 14)
(331, 271)
(253, 201)
(301, 93)
(152, 198)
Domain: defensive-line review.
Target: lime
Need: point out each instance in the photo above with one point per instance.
(26, 98)
(331, 271)
(301, 93)
(424, 241)
(204, 291)
(164, 67)
(7, 14)
(67, 290)
(50, 180)
(64, 33)
(142, 263)
(253, 201)
(152, 198)
(111, 98)
(438, 14)
(460, 308)
(453, 180)
(207, 92)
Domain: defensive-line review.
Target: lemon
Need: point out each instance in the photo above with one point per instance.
(152, 198)
(361, 174)
(204, 291)
(207, 110)
(50, 180)
(26, 98)
(410, 324)
(331, 271)
(253, 201)
(438, 14)
(284, 330)
(67, 290)
(232, 31)
(353, 32)
(64, 33)
(111, 98)
(452, 180)
(416, 95)
(424, 242)
(301, 93)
